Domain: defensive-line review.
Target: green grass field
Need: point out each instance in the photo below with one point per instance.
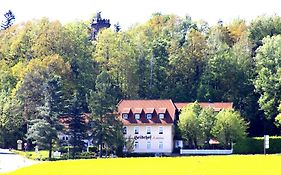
(205, 165)
(43, 154)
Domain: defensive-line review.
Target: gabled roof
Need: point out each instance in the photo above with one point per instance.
(148, 106)
(126, 110)
(149, 110)
(216, 106)
(137, 110)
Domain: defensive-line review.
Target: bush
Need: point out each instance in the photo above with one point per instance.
(86, 155)
(140, 154)
(255, 145)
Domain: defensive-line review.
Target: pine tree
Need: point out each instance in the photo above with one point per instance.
(102, 105)
(44, 130)
(77, 124)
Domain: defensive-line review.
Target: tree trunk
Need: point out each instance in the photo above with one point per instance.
(195, 143)
(101, 138)
(50, 150)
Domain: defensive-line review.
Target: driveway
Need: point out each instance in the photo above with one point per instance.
(10, 161)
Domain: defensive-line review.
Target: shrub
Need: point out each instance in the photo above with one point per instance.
(86, 155)
(255, 145)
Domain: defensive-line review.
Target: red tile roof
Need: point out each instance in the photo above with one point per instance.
(149, 110)
(162, 110)
(158, 106)
(137, 110)
(216, 106)
(126, 110)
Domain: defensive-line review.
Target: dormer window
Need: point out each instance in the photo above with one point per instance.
(125, 116)
(149, 116)
(161, 116)
(161, 113)
(137, 116)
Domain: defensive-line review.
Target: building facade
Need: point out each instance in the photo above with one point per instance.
(150, 124)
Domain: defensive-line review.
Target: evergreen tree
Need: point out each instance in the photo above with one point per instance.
(44, 130)
(77, 124)
(102, 104)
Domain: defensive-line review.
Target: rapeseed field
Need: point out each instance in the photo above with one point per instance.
(193, 165)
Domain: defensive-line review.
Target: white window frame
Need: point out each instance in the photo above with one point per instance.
(125, 130)
(125, 116)
(136, 130)
(161, 130)
(161, 145)
(65, 137)
(149, 116)
(161, 116)
(148, 130)
(148, 145)
(137, 116)
(136, 144)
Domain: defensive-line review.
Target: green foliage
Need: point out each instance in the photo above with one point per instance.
(278, 120)
(255, 145)
(264, 26)
(42, 133)
(166, 57)
(198, 126)
(229, 127)
(207, 118)
(189, 124)
(77, 126)
(268, 80)
(106, 128)
(11, 120)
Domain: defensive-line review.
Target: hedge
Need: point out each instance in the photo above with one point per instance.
(255, 145)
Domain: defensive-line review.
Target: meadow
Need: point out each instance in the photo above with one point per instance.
(193, 165)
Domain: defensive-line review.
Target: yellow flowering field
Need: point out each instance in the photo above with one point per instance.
(193, 165)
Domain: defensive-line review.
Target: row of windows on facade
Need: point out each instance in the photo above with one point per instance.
(148, 145)
(148, 130)
(148, 116)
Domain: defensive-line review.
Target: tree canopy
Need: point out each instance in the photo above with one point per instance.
(167, 56)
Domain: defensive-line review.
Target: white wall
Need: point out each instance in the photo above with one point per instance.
(154, 138)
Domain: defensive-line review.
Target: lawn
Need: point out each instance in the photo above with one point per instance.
(206, 165)
(43, 154)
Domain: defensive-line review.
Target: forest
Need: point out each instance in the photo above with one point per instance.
(49, 69)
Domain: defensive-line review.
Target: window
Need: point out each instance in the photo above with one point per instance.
(137, 116)
(65, 137)
(125, 116)
(136, 130)
(160, 129)
(149, 116)
(148, 130)
(161, 116)
(148, 145)
(136, 145)
(160, 145)
(125, 130)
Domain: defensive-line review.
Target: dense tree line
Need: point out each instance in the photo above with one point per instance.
(48, 70)
(198, 126)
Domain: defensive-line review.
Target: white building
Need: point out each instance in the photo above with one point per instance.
(151, 123)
